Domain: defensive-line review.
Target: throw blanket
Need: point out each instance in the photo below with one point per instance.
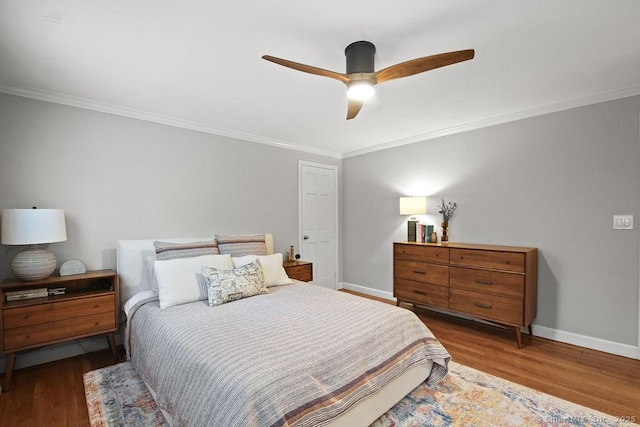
(298, 356)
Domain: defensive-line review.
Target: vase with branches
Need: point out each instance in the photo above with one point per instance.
(446, 210)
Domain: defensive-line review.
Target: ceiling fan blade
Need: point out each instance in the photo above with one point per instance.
(420, 65)
(354, 108)
(307, 68)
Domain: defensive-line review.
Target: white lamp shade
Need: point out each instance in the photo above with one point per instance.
(413, 205)
(33, 226)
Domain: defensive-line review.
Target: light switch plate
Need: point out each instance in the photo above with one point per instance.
(623, 222)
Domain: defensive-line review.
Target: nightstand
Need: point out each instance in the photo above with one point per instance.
(88, 307)
(299, 270)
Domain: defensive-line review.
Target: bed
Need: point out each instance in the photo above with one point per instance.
(298, 355)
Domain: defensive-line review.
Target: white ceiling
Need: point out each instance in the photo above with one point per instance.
(197, 63)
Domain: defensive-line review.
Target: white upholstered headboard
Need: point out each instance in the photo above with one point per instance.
(134, 258)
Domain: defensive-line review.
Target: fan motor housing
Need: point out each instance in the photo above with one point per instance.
(360, 57)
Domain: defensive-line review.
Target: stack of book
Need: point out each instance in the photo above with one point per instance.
(423, 233)
(26, 294)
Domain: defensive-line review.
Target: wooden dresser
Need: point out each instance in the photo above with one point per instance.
(494, 283)
(88, 307)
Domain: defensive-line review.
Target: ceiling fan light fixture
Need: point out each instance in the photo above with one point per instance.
(360, 90)
(361, 76)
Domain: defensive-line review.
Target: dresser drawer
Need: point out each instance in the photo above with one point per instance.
(485, 281)
(490, 307)
(497, 260)
(421, 253)
(421, 293)
(434, 274)
(52, 312)
(28, 336)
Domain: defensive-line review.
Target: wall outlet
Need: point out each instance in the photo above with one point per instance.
(623, 222)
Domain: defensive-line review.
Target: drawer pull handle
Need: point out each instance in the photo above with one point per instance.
(27, 316)
(482, 305)
(508, 262)
(483, 282)
(96, 305)
(97, 324)
(461, 257)
(419, 272)
(419, 292)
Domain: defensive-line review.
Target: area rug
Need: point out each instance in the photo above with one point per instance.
(468, 397)
(116, 396)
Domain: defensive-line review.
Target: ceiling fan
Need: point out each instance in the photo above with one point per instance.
(360, 77)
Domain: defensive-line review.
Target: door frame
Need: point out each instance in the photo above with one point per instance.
(301, 164)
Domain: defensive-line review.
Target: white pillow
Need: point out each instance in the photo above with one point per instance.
(180, 280)
(274, 272)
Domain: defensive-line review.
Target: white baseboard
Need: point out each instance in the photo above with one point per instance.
(539, 331)
(586, 341)
(368, 291)
(58, 351)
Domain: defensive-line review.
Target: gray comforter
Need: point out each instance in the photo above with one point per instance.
(300, 355)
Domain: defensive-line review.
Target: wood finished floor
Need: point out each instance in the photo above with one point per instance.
(53, 394)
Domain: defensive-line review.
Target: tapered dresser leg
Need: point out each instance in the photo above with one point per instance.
(112, 346)
(7, 375)
(518, 336)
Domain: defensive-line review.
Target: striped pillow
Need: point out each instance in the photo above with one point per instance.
(166, 250)
(242, 244)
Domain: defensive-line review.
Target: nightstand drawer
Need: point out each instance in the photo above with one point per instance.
(299, 270)
(490, 282)
(496, 260)
(302, 272)
(490, 307)
(421, 293)
(421, 253)
(28, 336)
(56, 311)
(434, 274)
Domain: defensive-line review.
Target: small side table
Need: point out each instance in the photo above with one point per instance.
(88, 307)
(299, 270)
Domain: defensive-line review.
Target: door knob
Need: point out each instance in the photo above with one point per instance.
(306, 237)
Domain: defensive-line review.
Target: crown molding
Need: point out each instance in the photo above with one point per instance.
(88, 104)
(554, 108)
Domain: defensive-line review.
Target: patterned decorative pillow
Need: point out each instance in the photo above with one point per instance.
(230, 285)
(242, 244)
(166, 250)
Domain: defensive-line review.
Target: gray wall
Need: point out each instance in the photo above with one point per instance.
(552, 182)
(120, 178)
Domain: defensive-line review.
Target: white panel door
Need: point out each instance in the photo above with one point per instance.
(318, 186)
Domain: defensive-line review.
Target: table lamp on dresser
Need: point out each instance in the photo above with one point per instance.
(33, 227)
(412, 205)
